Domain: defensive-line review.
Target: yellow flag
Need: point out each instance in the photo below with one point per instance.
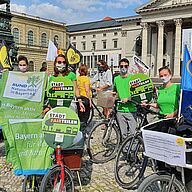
(73, 55)
(4, 58)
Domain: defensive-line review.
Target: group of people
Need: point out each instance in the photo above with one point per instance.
(167, 94)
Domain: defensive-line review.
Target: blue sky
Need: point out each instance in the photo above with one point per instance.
(77, 11)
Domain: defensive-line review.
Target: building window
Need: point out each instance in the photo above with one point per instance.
(30, 37)
(43, 39)
(83, 46)
(124, 33)
(74, 44)
(104, 44)
(31, 66)
(115, 33)
(74, 38)
(16, 35)
(138, 46)
(83, 37)
(94, 36)
(115, 43)
(94, 45)
(104, 34)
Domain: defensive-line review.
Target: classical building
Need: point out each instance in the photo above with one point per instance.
(155, 35)
(109, 39)
(32, 34)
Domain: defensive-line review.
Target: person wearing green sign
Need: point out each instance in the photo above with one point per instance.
(126, 111)
(59, 88)
(168, 94)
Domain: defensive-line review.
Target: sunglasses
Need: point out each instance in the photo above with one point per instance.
(22, 65)
(124, 66)
(59, 62)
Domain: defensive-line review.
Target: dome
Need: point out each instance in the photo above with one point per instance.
(107, 19)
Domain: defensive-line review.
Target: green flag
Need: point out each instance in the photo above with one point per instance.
(29, 152)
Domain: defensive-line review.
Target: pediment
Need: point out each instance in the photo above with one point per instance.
(161, 4)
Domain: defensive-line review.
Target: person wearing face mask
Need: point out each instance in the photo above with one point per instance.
(126, 111)
(103, 81)
(61, 70)
(22, 63)
(167, 94)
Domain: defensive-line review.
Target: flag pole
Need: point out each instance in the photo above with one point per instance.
(180, 103)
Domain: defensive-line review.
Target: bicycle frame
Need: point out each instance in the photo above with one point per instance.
(97, 109)
(59, 160)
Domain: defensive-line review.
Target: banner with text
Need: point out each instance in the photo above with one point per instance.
(21, 95)
(141, 88)
(165, 147)
(29, 153)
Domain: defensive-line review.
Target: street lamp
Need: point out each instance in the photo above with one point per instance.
(93, 58)
(112, 66)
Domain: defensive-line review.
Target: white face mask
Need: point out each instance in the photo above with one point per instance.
(61, 67)
(23, 68)
(166, 79)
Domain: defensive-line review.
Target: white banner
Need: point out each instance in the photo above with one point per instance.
(138, 66)
(164, 147)
(25, 86)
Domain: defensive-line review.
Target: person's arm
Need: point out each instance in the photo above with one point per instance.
(77, 94)
(108, 81)
(87, 90)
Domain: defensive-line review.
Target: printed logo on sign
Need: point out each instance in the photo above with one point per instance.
(180, 141)
(33, 81)
(27, 86)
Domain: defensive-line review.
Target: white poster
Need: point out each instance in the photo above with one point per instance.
(164, 147)
(25, 86)
(187, 40)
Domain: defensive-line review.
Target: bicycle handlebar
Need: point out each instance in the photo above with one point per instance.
(140, 106)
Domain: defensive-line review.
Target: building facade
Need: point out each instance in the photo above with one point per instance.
(155, 35)
(109, 39)
(32, 34)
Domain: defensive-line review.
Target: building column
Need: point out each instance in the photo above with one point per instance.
(144, 41)
(177, 56)
(160, 45)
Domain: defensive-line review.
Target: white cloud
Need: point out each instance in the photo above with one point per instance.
(19, 8)
(74, 11)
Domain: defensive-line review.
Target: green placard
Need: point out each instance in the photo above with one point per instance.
(60, 127)
(141, 88)
(60, 91)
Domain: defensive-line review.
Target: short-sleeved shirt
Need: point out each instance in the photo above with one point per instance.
(104, 78)
(168, 98)
(71, 76)
(81, 82)
(121, 85)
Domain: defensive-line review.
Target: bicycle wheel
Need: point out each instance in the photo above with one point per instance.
(90, 116)
(103, 142)
(160, 183)
(52, 181)
(130, 162)
(31, 183)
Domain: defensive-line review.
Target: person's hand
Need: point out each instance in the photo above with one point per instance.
(170, 115)
(98, 90)
(143, 104)
(124, 100)
(82, 107)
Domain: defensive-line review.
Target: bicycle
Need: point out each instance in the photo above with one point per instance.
(59, 178)
(105, 137)
(130, 163)
(167, 177)
(61, 127)
(93, 108)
